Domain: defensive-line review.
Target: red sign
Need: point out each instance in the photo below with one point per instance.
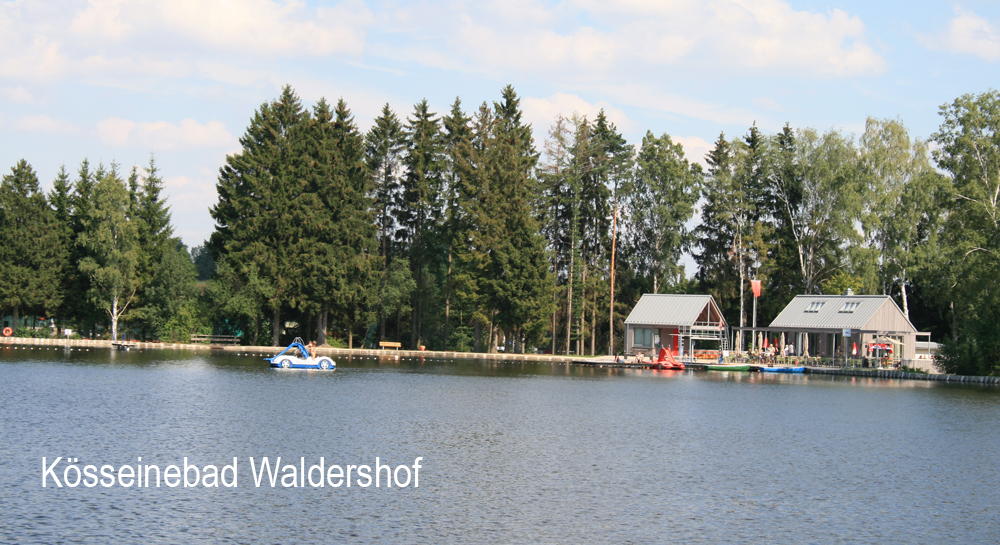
(755, 286)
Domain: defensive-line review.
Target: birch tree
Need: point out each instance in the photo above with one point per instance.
(111, 239)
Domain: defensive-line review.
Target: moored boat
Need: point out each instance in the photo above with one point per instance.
(666, 362)
(728, 367)
(783, 369)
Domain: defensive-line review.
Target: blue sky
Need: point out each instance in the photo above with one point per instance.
(113, 80)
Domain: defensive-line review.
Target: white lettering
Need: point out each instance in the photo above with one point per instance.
(396, 476)
(330, 475)
(66, 476)
(378, 473)
(107, 472)
(364, 475)
(90, 472)
(50, 471)
(290, 473)
(122, 475)
(187, 470)
(319, 466)
(231, 468)
(214, 474)
(172, 472)
(265, 463)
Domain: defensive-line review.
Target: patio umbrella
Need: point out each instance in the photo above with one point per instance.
(760, 340)
(781, 345)
(854, 349)
(805, 345)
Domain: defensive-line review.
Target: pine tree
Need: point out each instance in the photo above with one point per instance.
(667, 187)
(257, 189)
(558, 213)
(155, 214)
(334, 256)
(418, 211)
(32, 246)
(456, 137)
(518, 282)
(384, 146)
(170, 294)
(79, 309)
(717, 271)
(60, 199)
(614, 172)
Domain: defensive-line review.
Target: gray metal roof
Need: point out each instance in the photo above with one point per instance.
(669, 309)
(831, 311)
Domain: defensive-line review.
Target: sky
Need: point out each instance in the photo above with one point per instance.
(120, 81)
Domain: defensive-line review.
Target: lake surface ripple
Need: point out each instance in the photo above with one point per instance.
(511, 452)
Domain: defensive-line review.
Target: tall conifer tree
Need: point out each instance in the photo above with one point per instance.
(32, 251)
(257, 188)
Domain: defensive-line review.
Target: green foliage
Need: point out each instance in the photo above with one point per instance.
(111, 241)
(661, 203)
(32, 245)
(840, 282)
(204, 263)
(170, 295)
(259, 200)
(969, 140)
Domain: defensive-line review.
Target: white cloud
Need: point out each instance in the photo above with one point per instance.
(17, 94)
(969, 34)
(695, 148)
(767, 103)
(177, 182)
(45, 125)
(261, 27)
(749, 34)
(653, 99)
(39, 59)
(161, 135)
(540, 112)
(771, 34)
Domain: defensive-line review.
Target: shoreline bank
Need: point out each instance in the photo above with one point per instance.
(273, 350)
(499, 356)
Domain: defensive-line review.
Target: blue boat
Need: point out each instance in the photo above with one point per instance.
(783, 369)
(286, 360)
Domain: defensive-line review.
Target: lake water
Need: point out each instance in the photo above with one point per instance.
(511, 452)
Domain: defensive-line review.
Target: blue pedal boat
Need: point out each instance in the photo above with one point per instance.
(800, 369)
(286, 360)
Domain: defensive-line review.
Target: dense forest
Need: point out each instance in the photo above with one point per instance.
(457, 231)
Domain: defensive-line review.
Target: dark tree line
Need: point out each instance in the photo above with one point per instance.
(456, 232)
(95, 253)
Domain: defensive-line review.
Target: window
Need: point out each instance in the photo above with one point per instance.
(643, 337)
(815, 306)
(850, 306)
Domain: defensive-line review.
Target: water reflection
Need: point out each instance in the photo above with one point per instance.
(514, 451)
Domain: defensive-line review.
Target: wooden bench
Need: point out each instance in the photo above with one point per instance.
(387, 344)
(215, 339)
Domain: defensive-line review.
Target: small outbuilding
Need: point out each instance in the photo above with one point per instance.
(684, 324)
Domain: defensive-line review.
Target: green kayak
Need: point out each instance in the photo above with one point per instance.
(745, 367)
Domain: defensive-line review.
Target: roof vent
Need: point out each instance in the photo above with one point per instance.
(849, 292)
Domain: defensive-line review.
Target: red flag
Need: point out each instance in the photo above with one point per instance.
(755, 286)
(765, 342)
